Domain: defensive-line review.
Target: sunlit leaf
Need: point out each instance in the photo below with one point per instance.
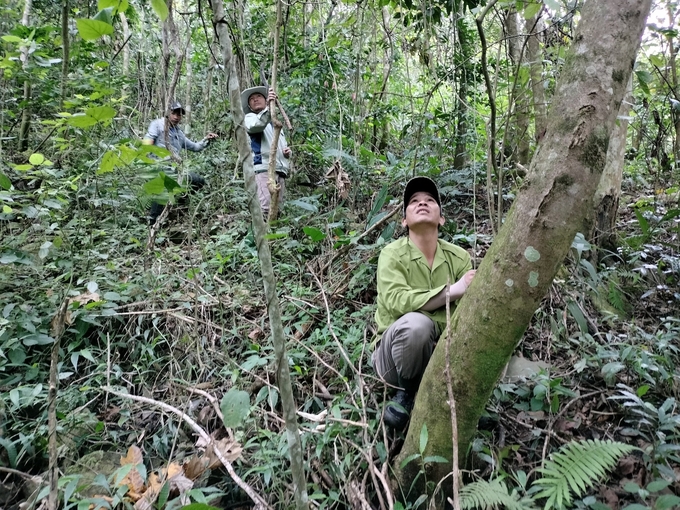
(36, 159)
(92, 29)
(118, 5)
(105, 15)
(160, 8)
(155, 186)
(101, 113)
(12, 38)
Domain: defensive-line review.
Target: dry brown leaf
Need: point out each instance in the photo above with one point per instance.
(134, 457)
(255, 334)
(231, 451)
(195, 467)
(135, 484)
(149, 497)
(174, 469)
(181, 484)
(83, 299)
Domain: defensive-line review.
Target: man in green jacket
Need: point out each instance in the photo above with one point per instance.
(413, 273)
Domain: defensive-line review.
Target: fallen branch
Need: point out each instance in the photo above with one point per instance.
(260, 503)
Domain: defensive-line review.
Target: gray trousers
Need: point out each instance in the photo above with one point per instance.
(405, 349)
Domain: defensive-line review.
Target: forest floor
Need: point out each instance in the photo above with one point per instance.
(186, 323)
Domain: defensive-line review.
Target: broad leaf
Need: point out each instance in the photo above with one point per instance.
(101, 113)
(36, 159)
(160, 8)
(92, 29)
(5, 183)
(314, 233)
(105, 15)
(118, 5)
(235, 407)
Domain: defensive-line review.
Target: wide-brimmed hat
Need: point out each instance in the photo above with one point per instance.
(176, 105)
(421, 184)
(245, 96)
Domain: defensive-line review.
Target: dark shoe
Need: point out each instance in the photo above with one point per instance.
(398, 410)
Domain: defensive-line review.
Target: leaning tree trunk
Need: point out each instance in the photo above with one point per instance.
(608, 192)
(520, 266)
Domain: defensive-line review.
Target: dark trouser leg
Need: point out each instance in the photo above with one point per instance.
(194, 182)
(405, 350)
(400, 360)
(154, 212)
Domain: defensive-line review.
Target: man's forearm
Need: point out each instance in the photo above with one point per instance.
(456, 292)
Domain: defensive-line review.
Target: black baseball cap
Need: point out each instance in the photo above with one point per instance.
(176, 105)
(421, 184)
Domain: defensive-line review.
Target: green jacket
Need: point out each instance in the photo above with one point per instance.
(406, 283)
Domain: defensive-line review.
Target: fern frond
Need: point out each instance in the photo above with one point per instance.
(492, 494)
(576, 467)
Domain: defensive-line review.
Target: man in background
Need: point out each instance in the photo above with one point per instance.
(177, 141)
(258, 124)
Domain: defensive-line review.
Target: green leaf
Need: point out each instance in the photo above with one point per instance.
(666, 502)
(11, 450)
(36, 159)
(532, 9)
(160, 8)
(155, 186)
(170, 184)
(5, 183)
(314, 233)
(409, 459)
(81, 120)
(105, 15)
(118, 5)
(199, 506)
(12, 38)
(424, 436)
(92, 29)
(110, 160)
(101, 113)
(235, 407)
(436, 458)
(37, 339)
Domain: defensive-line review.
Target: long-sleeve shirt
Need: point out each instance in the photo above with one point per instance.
(176, 137)
(406, 282)
(261, 131)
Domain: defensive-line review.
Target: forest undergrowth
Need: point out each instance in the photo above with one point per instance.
(185, 325)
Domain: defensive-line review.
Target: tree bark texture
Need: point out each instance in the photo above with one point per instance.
(602, 233)
(269, 280)
(534, 240)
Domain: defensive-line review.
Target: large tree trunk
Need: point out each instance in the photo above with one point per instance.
(530, 247)
(609, 190)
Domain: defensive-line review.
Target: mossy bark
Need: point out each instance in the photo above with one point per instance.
(536, 236)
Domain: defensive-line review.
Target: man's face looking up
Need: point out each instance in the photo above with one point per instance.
(257, 102)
